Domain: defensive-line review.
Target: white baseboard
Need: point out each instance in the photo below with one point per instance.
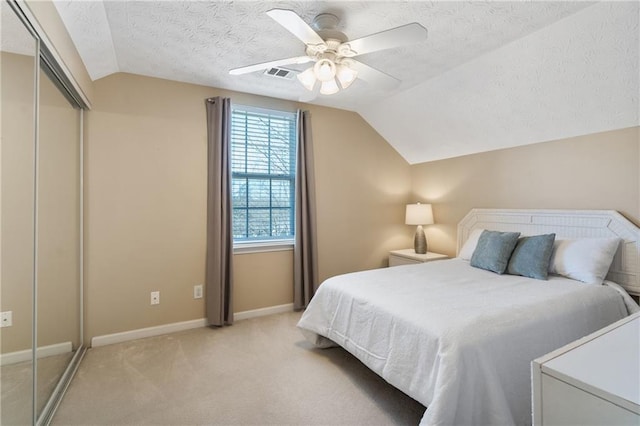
(278, 309)
(141, 333)
(41, 352)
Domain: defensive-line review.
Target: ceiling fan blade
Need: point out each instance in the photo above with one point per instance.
(395, 37)
(265, 65)
(295, 25)
(374, 76)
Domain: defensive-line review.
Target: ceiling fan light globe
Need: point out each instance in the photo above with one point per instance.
(325, 70)
(307, 78)
(346, 75)
(329, 87)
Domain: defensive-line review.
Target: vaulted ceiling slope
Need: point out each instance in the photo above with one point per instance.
(578, 76)
(490, 74)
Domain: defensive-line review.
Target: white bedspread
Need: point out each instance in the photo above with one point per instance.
(459, 340)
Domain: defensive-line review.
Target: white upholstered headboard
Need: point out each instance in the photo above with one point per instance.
(625, 269)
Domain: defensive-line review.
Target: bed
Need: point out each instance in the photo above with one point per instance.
(459, 339)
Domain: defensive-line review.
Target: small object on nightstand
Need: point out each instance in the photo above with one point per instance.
(409, 256)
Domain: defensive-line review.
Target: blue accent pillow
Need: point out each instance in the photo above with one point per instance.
(494, 250)
(531, 256)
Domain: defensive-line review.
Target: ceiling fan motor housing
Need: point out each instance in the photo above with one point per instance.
(325, 25)
(325, 21)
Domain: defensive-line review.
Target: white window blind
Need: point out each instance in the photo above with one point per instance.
(263, 159)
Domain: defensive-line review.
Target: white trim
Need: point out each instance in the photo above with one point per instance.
(34, 287)
(81, 228)
(262, 246)
(141, 333)
(278, 309)
(267, 111)
(42, 352)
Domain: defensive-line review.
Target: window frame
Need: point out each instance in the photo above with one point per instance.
(243, 246)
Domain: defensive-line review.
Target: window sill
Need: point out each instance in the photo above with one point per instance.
(262, 246)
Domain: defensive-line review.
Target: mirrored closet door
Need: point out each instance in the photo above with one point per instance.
(41, 224)
(58, 245)
(18, 64)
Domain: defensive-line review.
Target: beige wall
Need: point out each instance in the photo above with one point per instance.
(262, 279)
(599, 171)
(146, 203)
(362, 187)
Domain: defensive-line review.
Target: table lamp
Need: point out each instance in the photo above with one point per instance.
(419, 214)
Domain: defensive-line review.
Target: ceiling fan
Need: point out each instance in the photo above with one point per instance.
(333, 52)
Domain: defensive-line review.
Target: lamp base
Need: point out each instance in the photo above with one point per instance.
(420, 241)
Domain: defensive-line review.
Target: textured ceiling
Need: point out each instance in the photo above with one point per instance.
(576, 77)
(198, 42)
(490, 75)
(14, 37)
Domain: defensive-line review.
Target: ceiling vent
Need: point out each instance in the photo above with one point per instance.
(280, 73)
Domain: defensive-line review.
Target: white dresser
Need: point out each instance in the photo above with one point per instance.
(592, 381)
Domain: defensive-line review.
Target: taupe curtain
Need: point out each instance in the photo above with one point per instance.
(219, 267)
(305, 258)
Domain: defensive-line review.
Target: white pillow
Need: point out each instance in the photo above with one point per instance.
(470, 245)
(585, 259)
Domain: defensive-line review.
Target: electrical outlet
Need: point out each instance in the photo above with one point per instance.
(155, 297)
(197, 291)
(6, 319)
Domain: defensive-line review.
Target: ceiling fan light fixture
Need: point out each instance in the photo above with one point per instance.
(329, 87)
(345, 50)
(307, 78)
(346, 75)
(331, 50)
(325, 70)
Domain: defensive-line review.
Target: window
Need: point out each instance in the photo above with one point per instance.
(263, 159)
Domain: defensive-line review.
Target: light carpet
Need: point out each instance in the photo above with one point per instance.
(258, 371)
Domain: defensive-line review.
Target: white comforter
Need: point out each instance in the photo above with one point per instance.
(459, 340)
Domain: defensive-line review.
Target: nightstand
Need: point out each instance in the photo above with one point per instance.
(409, 257)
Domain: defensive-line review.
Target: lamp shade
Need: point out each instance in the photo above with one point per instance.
(419, 214)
